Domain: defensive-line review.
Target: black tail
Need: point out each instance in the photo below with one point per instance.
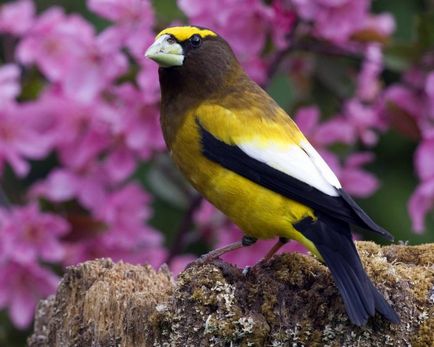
(333, 240)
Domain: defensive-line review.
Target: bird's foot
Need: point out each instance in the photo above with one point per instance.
(210, 256)
(281, 242)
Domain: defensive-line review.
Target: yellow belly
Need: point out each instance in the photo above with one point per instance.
(259, 212)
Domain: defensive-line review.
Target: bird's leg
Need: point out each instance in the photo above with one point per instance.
(245, 242)
(282, 241)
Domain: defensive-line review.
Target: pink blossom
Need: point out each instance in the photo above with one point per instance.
(405, 99)
(125, 11)
(22, 285)
(414, 78)
(282, 23)
(256, 69)
(16, 17)
(29, 234)
(79, 131)
(248, 33)
(422, 199)
(420, 203)
(368, 83)
(90, 143)
(134, 20)
(429, 89)
(124, 231)
(60, 185)
(363, 119)
(89, 186)
(121, 130)
(410, 105)
(383, 24)
(135, 128)
(126, 211)
(406, 109)
(67, 51)
(334, 20)
(354, 179)
(18, 140)
(424, 158)
(120, 163)
(9, 82)
(329, 132)
(98, 144)
(54, 117)
(99, 65)
(430, 85)
(54, 42)
(147, 79)
(138, 122)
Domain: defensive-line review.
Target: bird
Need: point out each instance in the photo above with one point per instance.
(244, 154)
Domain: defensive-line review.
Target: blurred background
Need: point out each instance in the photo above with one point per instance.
(83, 168)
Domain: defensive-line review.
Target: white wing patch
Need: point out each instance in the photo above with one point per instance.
(320, 164)
(301, 162)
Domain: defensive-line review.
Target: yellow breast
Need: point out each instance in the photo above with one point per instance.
(259, 212)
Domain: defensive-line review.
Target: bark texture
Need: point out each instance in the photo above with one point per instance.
(289, 301)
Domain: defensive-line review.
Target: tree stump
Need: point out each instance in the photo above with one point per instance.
(289, 301)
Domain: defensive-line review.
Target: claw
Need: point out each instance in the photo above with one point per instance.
(246, 270)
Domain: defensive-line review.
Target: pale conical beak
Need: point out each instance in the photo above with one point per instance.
(166, 52)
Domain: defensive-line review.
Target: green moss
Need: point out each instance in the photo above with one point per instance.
(289, 301)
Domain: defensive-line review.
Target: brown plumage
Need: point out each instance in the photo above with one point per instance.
(213, 74)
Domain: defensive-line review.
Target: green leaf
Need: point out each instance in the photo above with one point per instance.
(282, 90)
(425, 30)
(32, 85)
(404, 13)
(400, 56)
(167, 12)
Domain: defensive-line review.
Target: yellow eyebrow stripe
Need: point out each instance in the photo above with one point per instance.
(185, 32)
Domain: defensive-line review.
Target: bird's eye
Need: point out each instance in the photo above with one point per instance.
(196, 40)
(171, 40)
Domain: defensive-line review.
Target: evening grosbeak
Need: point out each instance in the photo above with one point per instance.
(247, 157)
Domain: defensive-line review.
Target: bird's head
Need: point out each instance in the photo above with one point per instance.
(195, 64)
(201, 53)
(177, 45)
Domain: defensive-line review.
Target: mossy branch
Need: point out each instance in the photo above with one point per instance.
(289, 301)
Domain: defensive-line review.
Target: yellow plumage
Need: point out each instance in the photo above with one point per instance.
(184, 33)
(234, 195)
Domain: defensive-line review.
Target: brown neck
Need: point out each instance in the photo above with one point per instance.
(210, 77)
(194, 83)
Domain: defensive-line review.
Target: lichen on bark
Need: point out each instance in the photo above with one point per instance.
(289, 301)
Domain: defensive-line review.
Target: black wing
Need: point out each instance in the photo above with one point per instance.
(231, 157)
